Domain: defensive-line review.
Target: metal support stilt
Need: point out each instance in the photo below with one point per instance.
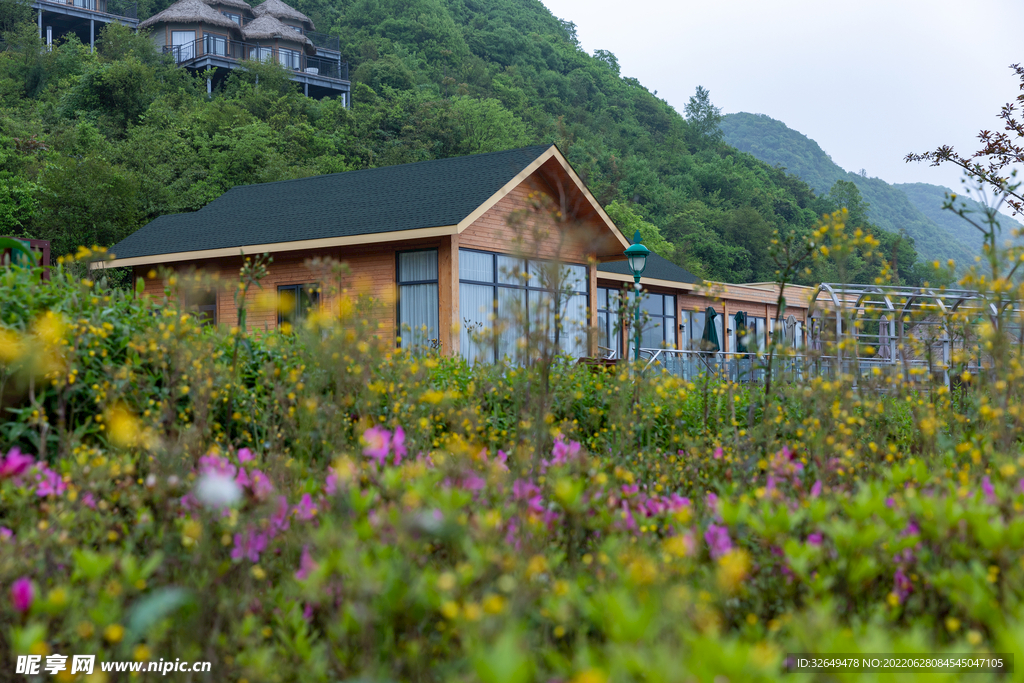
(209, 86)
(39, 18)
(92, 35)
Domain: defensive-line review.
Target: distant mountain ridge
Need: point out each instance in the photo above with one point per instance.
(915, 208)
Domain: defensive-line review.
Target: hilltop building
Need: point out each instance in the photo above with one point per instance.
(218, 34)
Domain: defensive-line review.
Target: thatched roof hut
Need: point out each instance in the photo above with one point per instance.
(277, 8)
(189, 12)
(266, 28)
(237, 4)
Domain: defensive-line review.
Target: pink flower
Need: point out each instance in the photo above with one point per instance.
(89, 500)
(398, 445)
(901, 585)
(717, 538)
(242, 479)
(5, 533)
(261, 486)
(378, 443)
(305, 510)
(15, 464)
(331, 484)
(279, 520)
(718, 453)
(217, 464)
(502, 459)
(814, 539)
(306, 565)
(523, 489)
(712, 502)
(22, 594)
(563, 452)
(244, 455)
(249, 546)
(49, 483)
(990, 492)
(473, 482)
(816, 489)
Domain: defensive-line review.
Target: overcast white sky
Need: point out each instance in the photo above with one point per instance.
(869, 80)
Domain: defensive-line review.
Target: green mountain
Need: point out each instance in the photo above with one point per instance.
(92, 146)
(914, 208)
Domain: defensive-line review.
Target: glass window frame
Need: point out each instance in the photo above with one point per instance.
(517, 283)
(312, 288)
(399, 283)
(612, 328)
(661, 318)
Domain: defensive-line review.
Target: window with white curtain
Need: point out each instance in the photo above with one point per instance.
(519, 295)
(609, 327)
(417, 299)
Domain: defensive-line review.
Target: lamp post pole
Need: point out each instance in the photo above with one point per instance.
(636, 257)
(636, 319)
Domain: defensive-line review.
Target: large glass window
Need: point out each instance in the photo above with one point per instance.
(289, 59)
(203, 304)
(215, 45)
(609, 326)
(695, 322)
(417, 299)
(237, 18)
(519, 295)
(660, 330)
(295, 302)
(757, 328)
(183, 45)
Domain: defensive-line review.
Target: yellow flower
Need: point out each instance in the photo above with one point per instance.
(141, 653)
(952, 624)
(732, 569)
(494, 604)
(590, 676)
(113, 633)
(538, 565)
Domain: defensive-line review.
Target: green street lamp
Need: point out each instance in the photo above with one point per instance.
(636, 256)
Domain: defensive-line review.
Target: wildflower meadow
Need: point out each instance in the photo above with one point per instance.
(317, 505)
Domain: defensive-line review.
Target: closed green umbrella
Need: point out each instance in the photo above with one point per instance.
(709, 340)
(741, 333)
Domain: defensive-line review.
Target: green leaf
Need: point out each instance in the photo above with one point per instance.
(154, 607)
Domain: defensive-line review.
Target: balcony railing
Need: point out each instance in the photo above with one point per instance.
(129, 9)
(236, 50)
(322, 40)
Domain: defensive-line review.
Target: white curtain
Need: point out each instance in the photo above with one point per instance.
(476, 308)
(476, 266)
(573, 337)
(511, 312)
(511, 270)
(417, 303)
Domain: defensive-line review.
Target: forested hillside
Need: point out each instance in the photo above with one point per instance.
(94, 146)
(915, 208)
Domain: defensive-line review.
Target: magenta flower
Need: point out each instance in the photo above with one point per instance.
(522, 488)
(249, 546)
(218, 465)
(49, 483)
(244, 455)
(306, 565)
(717, 538)
(398, 445)
(5, 533)
(901, 585)
(15, 464)
(331, 484)
(378, 443)
(712, 502)
(814, 539)
(22, 594)
(242, 479)
(279, 520)
(987, 488)
(502, 459)
(473, 482)
(816, 489)
(305, 510)
(563, 452)
(89, 500)
(261, 486)
(718, 453)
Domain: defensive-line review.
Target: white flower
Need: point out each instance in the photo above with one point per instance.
(217, 490)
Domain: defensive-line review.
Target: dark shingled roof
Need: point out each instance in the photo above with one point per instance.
(657, 267)
(425, 194)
